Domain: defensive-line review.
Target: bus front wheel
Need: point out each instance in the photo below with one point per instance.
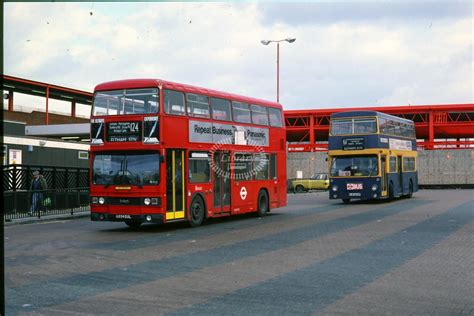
(262, 203)
(196, 212)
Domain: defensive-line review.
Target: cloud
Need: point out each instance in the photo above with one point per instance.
(362, 11)
(349, 54)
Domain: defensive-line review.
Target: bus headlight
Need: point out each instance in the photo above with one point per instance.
(147, 201)
(375, 187)
(101, 200)
(334, 188)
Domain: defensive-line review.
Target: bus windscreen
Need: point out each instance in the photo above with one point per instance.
(348, 166)
(126, 169)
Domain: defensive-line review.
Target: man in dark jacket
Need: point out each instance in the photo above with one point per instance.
(38, 184)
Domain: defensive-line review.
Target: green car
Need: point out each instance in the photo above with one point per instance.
(318, 181)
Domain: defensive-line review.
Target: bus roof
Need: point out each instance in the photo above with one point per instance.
(348, 114)
(148, 83)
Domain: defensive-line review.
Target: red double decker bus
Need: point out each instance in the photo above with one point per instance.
(164, 151)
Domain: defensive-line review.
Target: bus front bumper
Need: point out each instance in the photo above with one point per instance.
(363, 189)
(144, 218)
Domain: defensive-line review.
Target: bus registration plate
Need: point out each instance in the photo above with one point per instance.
(354, 186)
(123, 216)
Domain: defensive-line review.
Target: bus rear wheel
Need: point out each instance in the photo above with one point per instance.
(133, 223)
(196, 212)
(346, 201)
(262, 203)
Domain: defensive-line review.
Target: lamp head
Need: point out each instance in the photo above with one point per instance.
(290, 39)
(265, 42)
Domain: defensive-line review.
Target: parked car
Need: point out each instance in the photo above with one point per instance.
(318, 181)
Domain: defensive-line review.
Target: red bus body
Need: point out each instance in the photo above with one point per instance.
(117, 140)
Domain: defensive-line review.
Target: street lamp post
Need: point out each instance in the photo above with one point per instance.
(266, 42)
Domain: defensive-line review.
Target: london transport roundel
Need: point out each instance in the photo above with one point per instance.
(243, 193)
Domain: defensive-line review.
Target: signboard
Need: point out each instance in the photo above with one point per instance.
(15, 156)
(400, 144)
(354, 186)
(343, 173)
(124, 131)
(207, 132)
(353, 143)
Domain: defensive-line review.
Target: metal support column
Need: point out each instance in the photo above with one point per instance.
(311, 131)
(430, 129)
(10, 100)
(73, 108)
(47, 105)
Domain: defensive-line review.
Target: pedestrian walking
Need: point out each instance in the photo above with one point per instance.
(37, 186)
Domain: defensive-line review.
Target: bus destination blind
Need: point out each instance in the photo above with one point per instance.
(124, 131)
(353, 143)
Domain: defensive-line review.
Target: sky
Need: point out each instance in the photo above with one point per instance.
(346, 54)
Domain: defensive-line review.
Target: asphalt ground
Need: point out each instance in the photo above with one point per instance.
(315, 256)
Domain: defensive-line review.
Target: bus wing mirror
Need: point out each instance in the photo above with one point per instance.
(326, 158)
(162, 159)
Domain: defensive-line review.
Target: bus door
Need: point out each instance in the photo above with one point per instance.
(175, 176)
(383, 169)
(221, 170)
(400, 176)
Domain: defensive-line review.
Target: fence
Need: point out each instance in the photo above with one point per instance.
(18, 177)
(18, 204)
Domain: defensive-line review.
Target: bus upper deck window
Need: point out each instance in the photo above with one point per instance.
(259, 114)
(365, 126)
(174, 102)
(275, 117)
(341, 127)
(221, 109)
(197, 105)
(127, 101)
(241, 112)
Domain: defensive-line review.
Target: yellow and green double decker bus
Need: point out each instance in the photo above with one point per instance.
(371, 155)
